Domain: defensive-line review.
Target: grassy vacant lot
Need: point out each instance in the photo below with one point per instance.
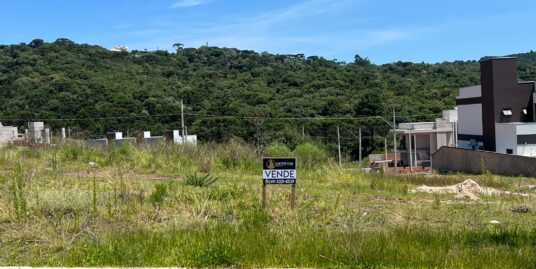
(135, 208)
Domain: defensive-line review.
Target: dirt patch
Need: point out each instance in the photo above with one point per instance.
(467, 189)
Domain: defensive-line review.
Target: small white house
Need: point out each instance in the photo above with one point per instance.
(518, 138)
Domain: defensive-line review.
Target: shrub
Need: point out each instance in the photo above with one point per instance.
(157, 196)
(237, 154)
(201, 181)
(71, 152)
(278, 149)
(310, 155)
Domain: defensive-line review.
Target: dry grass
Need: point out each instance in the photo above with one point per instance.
(343, 218)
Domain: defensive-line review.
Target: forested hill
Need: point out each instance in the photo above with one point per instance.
(64, 80)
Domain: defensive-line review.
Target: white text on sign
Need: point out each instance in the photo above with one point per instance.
(279, 174)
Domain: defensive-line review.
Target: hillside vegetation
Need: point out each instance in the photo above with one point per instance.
(227, 91)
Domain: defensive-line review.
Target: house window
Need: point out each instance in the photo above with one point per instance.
(509, 151)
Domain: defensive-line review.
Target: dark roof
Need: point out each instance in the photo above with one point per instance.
(494, 58)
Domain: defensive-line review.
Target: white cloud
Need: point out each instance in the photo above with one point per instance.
(186, 3)
(306, 8)
(278, 30)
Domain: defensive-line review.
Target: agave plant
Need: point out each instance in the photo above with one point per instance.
(201, 181)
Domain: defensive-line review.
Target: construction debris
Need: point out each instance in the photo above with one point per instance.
(467, 189)
(521, 209)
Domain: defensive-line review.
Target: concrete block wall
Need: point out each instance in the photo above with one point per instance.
(120, 142)
(35, 131)
(474, 162)
(8, 134)
(153, 141)
(93, 143)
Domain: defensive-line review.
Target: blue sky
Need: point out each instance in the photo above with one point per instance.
(382, 30)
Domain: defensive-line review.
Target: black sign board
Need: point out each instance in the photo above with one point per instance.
(279, 171)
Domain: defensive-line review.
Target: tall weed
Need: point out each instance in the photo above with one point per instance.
(18, 192)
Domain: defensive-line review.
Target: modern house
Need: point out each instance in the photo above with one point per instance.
(499, 114)
(419, 140)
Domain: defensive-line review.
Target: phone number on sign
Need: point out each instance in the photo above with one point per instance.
(279, 181)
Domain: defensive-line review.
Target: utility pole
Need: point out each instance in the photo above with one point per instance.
(258, 121)
(303, 131)
(339, 145)
(394, 140)
(360, 147)
(385, 152)
(182, 121)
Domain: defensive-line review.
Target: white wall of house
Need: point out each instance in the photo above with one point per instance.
(505, 137)
(470, 119)
(470, 92)
(526, 150)
(526, 129)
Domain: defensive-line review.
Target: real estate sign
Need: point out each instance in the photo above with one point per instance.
(279, 171)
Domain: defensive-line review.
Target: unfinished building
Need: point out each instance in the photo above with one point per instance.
(8, 134)
(419, 140)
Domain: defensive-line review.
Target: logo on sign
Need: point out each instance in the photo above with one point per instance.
(270, 164)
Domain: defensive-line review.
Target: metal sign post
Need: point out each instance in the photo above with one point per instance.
(279, 171)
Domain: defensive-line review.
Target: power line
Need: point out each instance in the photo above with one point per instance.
(201, 115)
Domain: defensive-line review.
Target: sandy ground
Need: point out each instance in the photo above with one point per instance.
(467, 189)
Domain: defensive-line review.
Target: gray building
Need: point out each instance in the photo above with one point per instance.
(35, 132)
(8, 134)
(419, 140)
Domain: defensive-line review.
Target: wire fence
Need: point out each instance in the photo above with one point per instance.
(367, 133)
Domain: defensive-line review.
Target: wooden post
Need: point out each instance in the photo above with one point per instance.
(293, 196)
(263, 196)
(385, 165)
(182, 123)
(339, 145)
(360, 147)
(394, 142)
